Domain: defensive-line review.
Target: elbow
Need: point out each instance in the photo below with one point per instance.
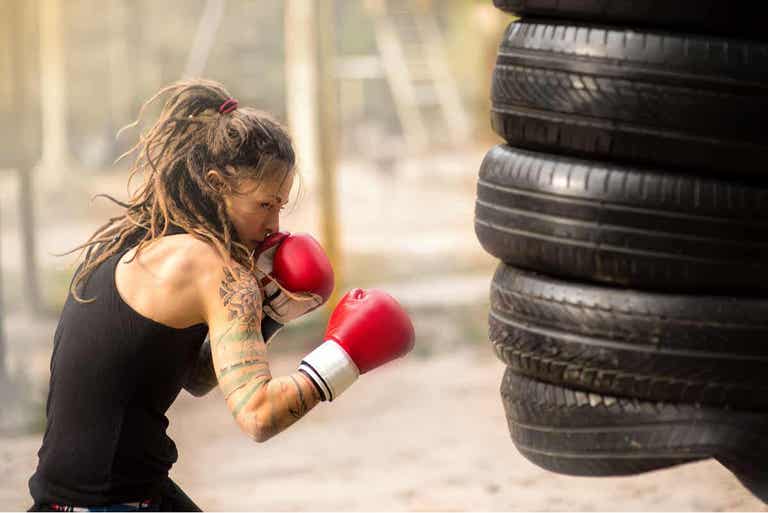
(261, 434)
(256, 430)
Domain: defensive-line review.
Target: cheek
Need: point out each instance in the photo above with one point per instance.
(249, 226)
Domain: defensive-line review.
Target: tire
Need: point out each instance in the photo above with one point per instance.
(609, 224)
(704, 16)
(664, 347)
(585, 434)
(752, 472)
(671, 100)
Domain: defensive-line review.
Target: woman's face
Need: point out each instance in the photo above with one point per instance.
(255, 209)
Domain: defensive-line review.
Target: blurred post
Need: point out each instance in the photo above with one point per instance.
(6, 102)
(205, 37)
(328, 128)
(121, 68)
(301, 85)
(55, 158)
(25, 156)
(3, 370)
(30, 284)
(311, 108)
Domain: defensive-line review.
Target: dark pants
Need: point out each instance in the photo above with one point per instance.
(170, 498)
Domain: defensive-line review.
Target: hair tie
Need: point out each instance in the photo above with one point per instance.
(228, 106)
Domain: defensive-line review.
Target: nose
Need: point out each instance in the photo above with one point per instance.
(273, 223)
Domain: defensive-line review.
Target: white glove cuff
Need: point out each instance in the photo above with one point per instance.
(331, 368)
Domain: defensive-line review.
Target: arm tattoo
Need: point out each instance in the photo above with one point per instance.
(242, 367)
(255, 387)
(301, 408)
(242, 295)
(230, 387)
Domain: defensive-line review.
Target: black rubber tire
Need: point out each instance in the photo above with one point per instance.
(752, 472)
(586, 434)
(672, 100)
(698, 349)
(609, 224)
(740, 19)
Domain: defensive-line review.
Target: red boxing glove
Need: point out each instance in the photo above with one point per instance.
(367, 329)
(371, 327)
(301, 266)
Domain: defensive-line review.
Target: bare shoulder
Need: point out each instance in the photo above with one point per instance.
(180, 279)
(171, 279)
(228, 291)
(200, 257)
(201, 263)
(179, 257)
(204, 262)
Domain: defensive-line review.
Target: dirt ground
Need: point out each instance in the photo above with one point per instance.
(423, 434)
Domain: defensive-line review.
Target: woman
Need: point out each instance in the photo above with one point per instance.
(197, 250)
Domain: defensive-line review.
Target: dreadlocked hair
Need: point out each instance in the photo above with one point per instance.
(189, 138)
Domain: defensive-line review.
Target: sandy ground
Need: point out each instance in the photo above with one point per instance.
(423, 434)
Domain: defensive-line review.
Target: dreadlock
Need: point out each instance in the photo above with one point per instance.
(190, 137)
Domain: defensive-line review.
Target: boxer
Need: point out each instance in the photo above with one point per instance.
(198, 250)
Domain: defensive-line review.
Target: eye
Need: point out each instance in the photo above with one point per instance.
(265, 204)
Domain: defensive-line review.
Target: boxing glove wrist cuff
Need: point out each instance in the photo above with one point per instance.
(330, 368)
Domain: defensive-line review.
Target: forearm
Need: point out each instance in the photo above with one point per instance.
(268, 405)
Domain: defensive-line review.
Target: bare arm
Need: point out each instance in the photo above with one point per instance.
(202, 377)
(262, 405)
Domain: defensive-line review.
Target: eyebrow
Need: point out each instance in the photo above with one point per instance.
(273, 197)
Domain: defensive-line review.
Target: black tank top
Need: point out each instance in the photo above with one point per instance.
(114, 374)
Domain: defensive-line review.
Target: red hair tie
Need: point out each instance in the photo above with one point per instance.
(228, 106)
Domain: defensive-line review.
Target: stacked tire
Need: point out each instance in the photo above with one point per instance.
(629, 210)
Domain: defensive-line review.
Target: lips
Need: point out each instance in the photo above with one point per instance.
(270, 240)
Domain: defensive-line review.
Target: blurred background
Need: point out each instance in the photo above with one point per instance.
(387, 102)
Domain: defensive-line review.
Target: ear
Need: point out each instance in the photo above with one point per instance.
(216, 181)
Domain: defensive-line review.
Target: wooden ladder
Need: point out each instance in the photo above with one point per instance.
(415, 65)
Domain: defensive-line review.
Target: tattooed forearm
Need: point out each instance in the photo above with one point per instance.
(249, 392)
(285, 400)
(302, 404)
(242, 381)
(274, 403)
(225, 371)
